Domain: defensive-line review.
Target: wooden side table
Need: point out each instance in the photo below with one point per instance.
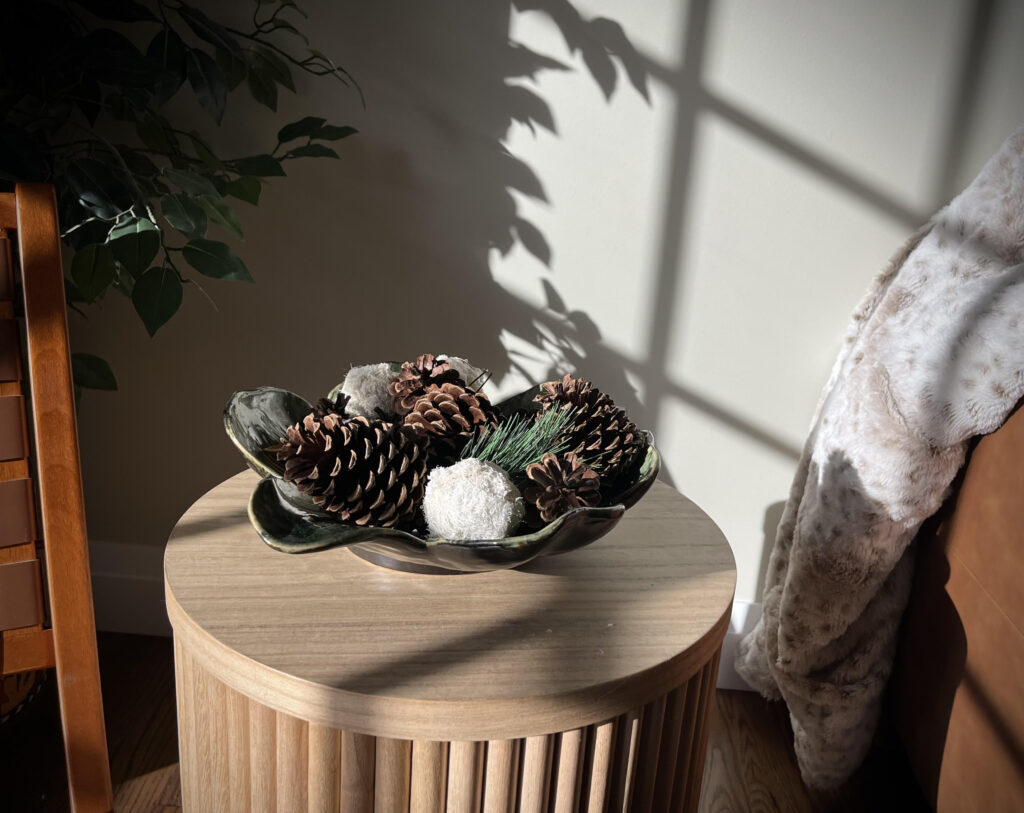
(325, 683)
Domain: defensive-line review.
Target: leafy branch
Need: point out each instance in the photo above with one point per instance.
(137, 208)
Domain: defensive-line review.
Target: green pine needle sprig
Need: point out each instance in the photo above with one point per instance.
(522, 439)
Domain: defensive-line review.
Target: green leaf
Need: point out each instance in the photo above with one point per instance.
(262, 87)
(204, 152)
(156, 134)
(94, 231)
(72, 294)
(219, 212)
(184, 215)
(135, 244)
(130, 226)
(206, 29)
(235, 67)
(262, 166)
(191, 182)
(114, 60)
(92, 372)
(215, 259)
(168, 51)
(92, 270)
(273, 66)
(100, 189)
(139, 163)
(331, 132)
(297, 129)
(207, 80)
(124, 283)
(313, 151)
(247, 189)
(157, 297)
(152, 187)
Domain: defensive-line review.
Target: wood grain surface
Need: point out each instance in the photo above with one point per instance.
(62, 509)
(565, 642)
(465, 776)
(20, 649)
(522, 775)
(959, 705)
(751, 767)
(750, 764)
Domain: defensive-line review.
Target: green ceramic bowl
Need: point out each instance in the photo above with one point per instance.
(289, 521)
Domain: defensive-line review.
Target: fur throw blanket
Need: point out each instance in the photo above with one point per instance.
(934, 356)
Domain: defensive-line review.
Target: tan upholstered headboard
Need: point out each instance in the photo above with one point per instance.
(958, 690)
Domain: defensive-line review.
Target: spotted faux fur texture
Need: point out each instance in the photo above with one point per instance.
(933, 356)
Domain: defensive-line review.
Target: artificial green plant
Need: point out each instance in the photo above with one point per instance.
(83, 88)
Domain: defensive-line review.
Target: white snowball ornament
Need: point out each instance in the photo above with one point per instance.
(367, 387)
(472, 499)
(470, 373)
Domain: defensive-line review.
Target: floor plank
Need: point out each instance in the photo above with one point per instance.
(750, 767)
(137, 674)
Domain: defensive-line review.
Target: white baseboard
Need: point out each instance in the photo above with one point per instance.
(745, 615)
(128, 588)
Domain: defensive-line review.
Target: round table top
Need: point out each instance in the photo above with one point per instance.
(563, 642)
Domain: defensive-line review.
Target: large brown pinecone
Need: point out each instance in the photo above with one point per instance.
(448, 415)
(601, 432)
(368, 472)
(559, 483)
(416, 377)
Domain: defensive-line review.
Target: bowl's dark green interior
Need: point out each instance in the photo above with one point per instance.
(290, 522)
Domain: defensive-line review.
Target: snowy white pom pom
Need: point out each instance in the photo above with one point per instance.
(469, 372)
(472, 499)
(367, 387)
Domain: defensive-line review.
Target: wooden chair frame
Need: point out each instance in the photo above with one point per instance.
(69, 643)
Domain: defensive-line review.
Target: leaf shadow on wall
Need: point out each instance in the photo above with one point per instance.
(433, 138)
(384, 254)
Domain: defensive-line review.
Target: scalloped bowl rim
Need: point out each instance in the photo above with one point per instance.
(649, 468)
(379, 533)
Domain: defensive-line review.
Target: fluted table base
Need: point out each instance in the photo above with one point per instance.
(240, 755)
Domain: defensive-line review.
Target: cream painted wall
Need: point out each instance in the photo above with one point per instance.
(688, 221)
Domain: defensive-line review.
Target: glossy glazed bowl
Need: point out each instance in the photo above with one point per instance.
(291, 522)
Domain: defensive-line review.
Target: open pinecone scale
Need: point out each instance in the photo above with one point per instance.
(600, 431)
(366, 472)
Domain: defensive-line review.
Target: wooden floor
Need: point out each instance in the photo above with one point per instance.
(750, 765)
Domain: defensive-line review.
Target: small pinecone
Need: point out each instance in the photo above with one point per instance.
(600, 431)
(416, 377)
(448, 415)
(559, 483)
(325, 406)
(368, 472)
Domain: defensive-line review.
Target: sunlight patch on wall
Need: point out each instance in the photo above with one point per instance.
(869, 84)
(603, 172)
(775, 262)
(734, 479)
